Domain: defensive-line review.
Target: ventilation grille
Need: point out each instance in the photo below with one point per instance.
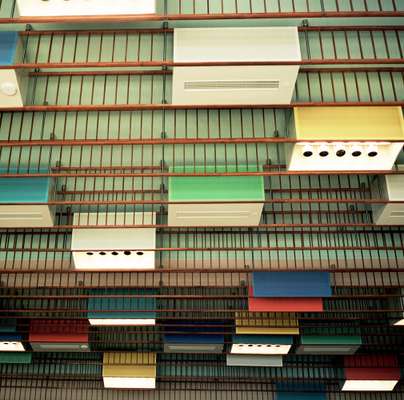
(231, 85)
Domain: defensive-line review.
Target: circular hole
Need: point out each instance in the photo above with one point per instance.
(139, 253)
(114, 253)
(356, 153)
(259, 345)
(89, 253)
(308, 153)
(127, 253)
(323, 153)
(102, 253)
(340, 153)
(278, 345)
(250, 345)
(372, 153)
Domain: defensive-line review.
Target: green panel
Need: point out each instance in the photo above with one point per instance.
(211, 188)
(332, 340)
(15, 358)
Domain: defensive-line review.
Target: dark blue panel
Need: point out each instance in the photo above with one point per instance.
(300, 392)
(291, 284)
(4, 337)
(8, 46)
(194, 339)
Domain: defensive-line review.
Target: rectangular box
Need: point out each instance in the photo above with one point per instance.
(291, 284)
(390, 188)
(97, 249)
(245, 360)
(199, 189)
(59, 335)
(322, 134)
(368, 373)
(121, 311)
(15, 358)
(261, 344)
(57, 8)
(244, 84)
(26, 190)
(285, 304)
(129, 370)
(193, 343)
(11, 342)
(13, 82)
(329, 345)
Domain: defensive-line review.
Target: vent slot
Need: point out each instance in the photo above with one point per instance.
(396, 214)
(232, 85)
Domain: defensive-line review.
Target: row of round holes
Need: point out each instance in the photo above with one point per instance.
(339, 153)
(115, 253)
(260, 345)
(10, 343)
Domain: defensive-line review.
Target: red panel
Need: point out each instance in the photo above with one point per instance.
(284, 304)
(58, 331)
(371, 367)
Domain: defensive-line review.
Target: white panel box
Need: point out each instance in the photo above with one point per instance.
(244, 84)
(345, 138)
(13, 87)
(114, 248)
(260, 349)
(56, 8)
(391, 189)
(237, 360)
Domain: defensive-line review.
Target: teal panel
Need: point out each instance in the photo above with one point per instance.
(15, 358)
(25, 190)
(217, 188)
(331, 340)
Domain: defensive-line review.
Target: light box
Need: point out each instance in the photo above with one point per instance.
(15, 358)
(391, 189)
(58, 8)
(329, 345)
(26, 190)
(59, 335)
(11, 342)
(129, 370)
(367, 373)
(13, 83)
(199, 189)
(254, 323)
(248, 360)
(261, 344)
(322, 134)
(291, 284)
(108, 249)
(120, 310)
(248, 84)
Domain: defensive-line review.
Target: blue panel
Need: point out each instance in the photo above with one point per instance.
(14, 337)
(263, 339)
(194, 339)
(291, 284)
(25, 190)
(8, 47)
(122, 308)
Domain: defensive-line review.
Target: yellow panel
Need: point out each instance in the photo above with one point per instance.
(129, 365)
(129, 371)
(267, 323)
(349, 123)
(129, 358)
